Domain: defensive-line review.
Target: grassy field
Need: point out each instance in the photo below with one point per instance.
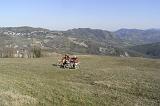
(100, 81)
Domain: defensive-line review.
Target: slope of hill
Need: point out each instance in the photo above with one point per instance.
(82, 40)
(100, 81)
(94, 34)
(149, 50)
(137, 36)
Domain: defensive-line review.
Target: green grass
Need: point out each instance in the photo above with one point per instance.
(100, 81)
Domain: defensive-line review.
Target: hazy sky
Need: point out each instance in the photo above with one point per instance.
(67, 14)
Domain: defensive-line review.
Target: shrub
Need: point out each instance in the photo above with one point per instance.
(36, 52)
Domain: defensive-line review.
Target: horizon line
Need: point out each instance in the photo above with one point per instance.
(51, 29)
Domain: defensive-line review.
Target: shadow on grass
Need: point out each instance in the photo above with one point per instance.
(58, 66)
(62, 67)
(55, 65)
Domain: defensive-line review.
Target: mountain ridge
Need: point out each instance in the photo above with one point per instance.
(80, 40)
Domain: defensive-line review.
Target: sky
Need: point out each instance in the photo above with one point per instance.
(68, 14)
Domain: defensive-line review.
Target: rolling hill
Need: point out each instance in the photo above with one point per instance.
(137, 36)
(149, 50)
(80, 40)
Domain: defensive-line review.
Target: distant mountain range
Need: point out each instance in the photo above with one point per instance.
(82, 40)
(137, 37)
